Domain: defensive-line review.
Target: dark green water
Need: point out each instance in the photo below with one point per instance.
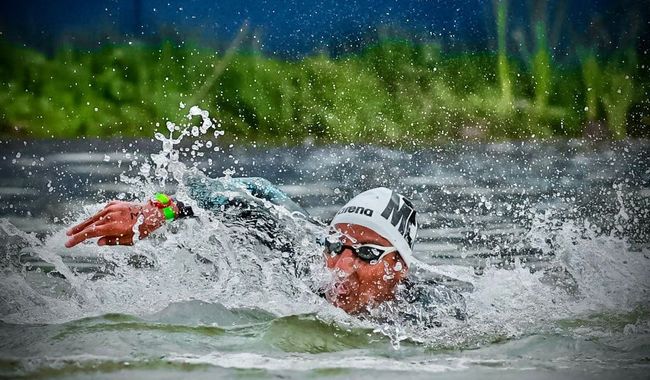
(117, 345)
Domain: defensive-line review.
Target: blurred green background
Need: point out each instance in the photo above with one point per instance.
(391, 91)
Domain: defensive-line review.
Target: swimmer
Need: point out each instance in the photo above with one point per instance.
(369, 249)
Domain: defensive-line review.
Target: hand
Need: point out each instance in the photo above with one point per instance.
(113, 225)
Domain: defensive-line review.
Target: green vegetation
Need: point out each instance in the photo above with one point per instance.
(504, 71)
(618, 94)
(541, 68)
(391, 92)
(610, 89)
(590, 74)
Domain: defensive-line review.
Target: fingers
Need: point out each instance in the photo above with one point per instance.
(115, 240)
(81, 226)
(113, 225)
(87, 234)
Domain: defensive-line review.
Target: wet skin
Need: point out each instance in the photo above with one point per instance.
(113, 224)
(359, 284)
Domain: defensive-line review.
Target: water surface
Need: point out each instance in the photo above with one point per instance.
(547, 242)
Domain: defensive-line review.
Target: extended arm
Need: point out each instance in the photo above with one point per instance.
(114, 224)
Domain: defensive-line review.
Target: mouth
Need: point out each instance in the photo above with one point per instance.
(341, 291)
(341, 288)
(338, 291)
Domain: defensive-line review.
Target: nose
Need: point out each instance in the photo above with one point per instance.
(346, 262)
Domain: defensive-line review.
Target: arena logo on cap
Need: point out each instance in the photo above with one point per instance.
(401, 214)
(357, 210)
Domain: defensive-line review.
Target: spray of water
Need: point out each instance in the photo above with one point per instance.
(215, 260)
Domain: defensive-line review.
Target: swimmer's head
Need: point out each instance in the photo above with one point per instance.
(370, 249)
(386, 212)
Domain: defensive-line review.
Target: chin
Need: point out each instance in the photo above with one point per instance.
(348, 307)
(342, 302)
(349, 304)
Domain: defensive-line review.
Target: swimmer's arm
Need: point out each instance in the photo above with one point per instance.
(215, 193)
(114, 224)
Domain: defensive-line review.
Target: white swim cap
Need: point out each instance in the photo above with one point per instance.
(386, 212)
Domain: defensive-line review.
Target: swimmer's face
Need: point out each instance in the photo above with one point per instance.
(359, 284)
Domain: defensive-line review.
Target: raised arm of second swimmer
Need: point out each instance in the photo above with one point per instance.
(113, 225)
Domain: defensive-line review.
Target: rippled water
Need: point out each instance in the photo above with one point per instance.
(548, 243)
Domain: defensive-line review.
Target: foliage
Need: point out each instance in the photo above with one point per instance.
(590, 75)
(610, 89)
(392, 92)
(504, 71)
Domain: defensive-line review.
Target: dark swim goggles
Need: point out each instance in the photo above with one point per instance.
(366, 252)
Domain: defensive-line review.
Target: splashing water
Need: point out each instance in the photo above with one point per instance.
(587, 281)
(215, 263)
(167, 160)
